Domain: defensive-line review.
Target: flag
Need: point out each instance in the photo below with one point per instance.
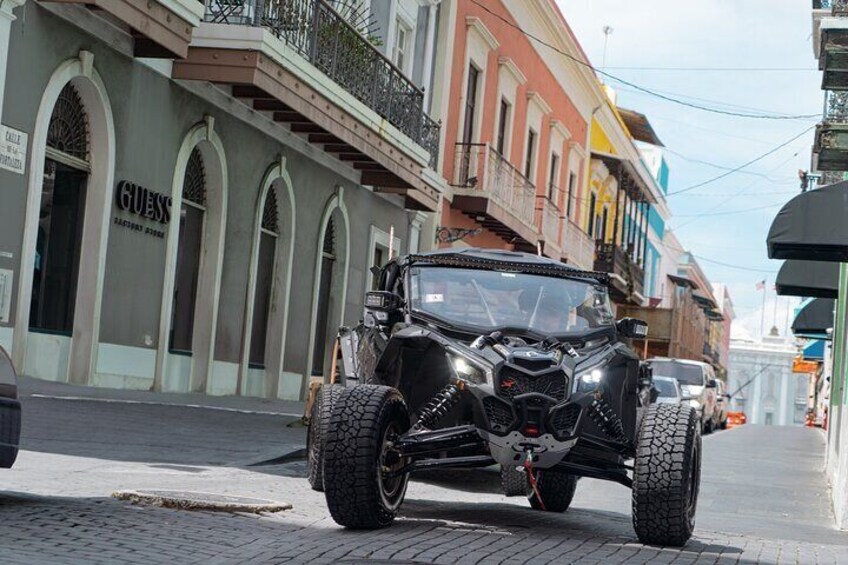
(761, 285)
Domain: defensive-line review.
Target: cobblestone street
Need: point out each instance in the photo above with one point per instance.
(763, 497)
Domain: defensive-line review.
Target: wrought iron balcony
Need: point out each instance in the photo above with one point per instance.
(550, 227)
(627, 276)
(578, 247)
(831, 142)
(329, 42)
(489, 189)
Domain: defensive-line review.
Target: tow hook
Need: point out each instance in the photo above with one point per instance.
(528, 468)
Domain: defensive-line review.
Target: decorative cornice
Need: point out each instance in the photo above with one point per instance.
(477, 25)
(560, 127)
(577, 148)
(513, 69)
(536, 98)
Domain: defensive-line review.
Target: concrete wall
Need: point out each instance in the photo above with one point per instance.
(152, 116)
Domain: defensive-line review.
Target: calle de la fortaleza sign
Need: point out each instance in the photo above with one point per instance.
(144, 203)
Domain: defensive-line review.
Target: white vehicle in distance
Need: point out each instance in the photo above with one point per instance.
(697, 383)
(669, 390)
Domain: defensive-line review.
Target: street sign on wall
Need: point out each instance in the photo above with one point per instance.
(5, 294)
(13, 146)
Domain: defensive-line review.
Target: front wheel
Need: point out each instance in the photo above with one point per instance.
(667, 475)
(319, 420)
(556, 490)
(361, 480)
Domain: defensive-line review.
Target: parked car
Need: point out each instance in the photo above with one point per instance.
(468, 358)
(722, 400)
(736, 419)
(697, 382)
(10, 412)
(668, 390)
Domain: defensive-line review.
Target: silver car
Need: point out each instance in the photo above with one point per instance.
(669, 390)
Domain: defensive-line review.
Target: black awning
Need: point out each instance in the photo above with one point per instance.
(703, 300)
(812, 226)
(818, 279)
(814, 318)
(682, 281)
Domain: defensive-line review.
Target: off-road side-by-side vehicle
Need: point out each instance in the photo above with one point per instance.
(469, 358)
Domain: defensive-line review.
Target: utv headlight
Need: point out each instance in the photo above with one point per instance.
(694, 403)
(468, 371)
(588, 380)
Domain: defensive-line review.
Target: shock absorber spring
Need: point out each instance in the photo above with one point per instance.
(437, 407)
(606, 419)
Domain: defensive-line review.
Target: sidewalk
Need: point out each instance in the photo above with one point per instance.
(32, 387)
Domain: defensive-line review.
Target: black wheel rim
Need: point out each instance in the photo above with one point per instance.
(694, 480)
(392, 486)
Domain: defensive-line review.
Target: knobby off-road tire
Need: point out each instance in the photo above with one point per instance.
(365, 420)
(667, 475)
(514, 482)
(556, 488)
(319, 421)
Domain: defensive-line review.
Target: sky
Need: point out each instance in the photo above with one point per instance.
(725, 221)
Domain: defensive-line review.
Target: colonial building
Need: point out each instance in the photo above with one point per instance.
(193, 191)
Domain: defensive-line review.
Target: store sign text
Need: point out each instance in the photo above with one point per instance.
(145, 203)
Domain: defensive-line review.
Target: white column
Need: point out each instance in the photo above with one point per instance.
(429, 46)
(6, 19)
(787, 405)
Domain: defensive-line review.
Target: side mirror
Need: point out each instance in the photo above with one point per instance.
(712, 383)
(382, 301)
(631, 327)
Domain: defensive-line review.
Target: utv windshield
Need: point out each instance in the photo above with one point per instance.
(491, 300)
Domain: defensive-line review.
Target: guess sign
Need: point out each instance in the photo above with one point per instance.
(143, 202)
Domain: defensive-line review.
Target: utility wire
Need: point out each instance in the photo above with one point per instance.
(729, 212)
(717, 69)
(762, 116)
(740, 167)
(728, 265)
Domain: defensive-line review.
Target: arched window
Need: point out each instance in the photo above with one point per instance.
(60, 223)
(268, 234)
(328, 259)
(192, 214)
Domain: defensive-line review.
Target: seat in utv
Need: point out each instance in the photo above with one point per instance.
(471, 358)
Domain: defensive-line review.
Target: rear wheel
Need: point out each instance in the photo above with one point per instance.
(667, 475)
(319, 420)
(556, 490)
(361, 480)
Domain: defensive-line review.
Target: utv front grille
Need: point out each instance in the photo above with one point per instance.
(499, 414)
(512, 383)
(563, 420)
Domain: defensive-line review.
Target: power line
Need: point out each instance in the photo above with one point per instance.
(730, 212)
(740, 167)
(717, 69)
(717, 166)
(762, 116)
(728, 265)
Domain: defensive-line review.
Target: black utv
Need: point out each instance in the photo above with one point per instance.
(471, 358)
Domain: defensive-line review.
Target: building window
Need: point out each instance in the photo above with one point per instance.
(58, 244)
(572, 180)
(192, 215)
(552, 180)
(268, 234)
(531, 154)
(325, 287)
(590, 228)
(468, 124)
(400, 52)
(603, 228)
(380, 254)
(503, 120)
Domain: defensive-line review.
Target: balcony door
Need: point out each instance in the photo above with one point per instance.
(467, 166)
(268, 236)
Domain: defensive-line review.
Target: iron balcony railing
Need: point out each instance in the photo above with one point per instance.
(578, 246)
(837, 7)
(612, 258)
(836, 106)
(550, 223)
(327, 40)
(481, 169)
